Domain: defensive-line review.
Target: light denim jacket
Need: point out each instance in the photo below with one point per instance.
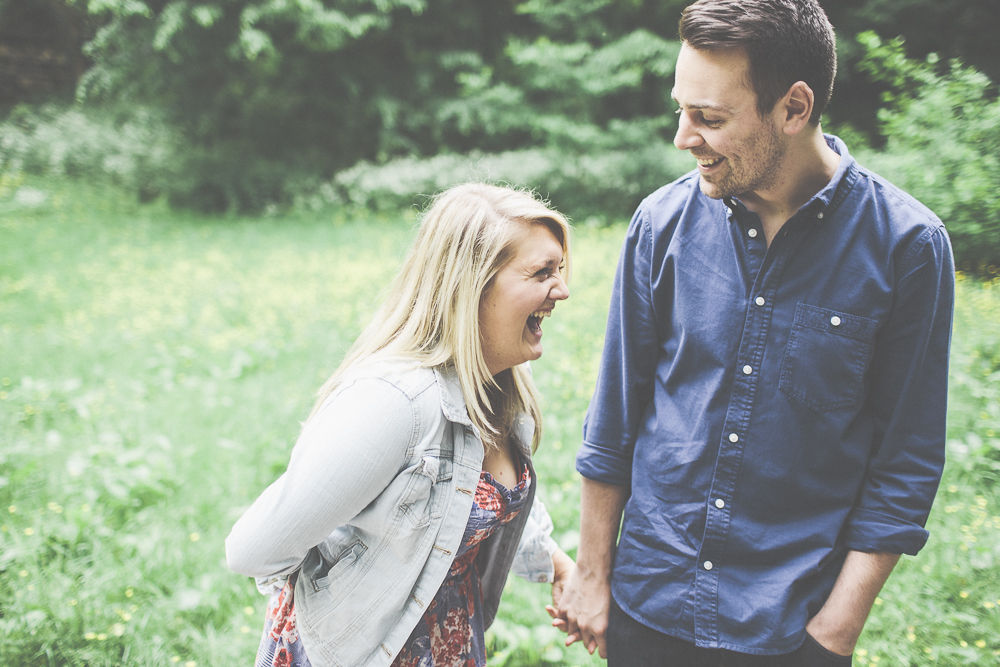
(373, 508)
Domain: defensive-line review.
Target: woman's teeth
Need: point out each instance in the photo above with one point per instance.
(535, 319)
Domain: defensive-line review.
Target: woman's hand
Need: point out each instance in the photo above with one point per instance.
(563, 567)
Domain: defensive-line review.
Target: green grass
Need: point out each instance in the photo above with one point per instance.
(155, 367)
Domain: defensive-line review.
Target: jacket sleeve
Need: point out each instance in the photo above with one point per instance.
(533, 560)
(908, 381)
(628, 364)
(345, 457)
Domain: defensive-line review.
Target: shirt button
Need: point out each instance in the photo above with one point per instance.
(835, 321)
(708, 565)
(733, 437)
(752, 233)
(543, 578)
(747, 370)
(820, 215)
(759, 301)
(720, 503)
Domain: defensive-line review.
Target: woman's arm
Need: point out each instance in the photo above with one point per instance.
(535, 551)
(345, 457)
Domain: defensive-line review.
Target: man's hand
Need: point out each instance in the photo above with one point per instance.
(581, 609)
(841, 619)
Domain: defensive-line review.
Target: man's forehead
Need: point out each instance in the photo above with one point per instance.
(716, 80)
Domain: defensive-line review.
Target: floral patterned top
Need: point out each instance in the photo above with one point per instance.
(450, 634)
(451, 631)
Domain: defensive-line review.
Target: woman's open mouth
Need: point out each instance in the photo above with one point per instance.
(535, 321)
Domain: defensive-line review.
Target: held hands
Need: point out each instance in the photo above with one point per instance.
(579, 605)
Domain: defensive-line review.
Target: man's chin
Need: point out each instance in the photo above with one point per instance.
(710, 190)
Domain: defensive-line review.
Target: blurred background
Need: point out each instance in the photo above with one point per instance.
(258, 106)
(201, 201)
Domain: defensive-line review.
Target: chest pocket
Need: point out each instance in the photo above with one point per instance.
(826, 358)
(419, 503)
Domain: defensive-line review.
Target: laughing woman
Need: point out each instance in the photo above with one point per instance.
(410, 493)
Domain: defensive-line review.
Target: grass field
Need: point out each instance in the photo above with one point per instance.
(154, 368)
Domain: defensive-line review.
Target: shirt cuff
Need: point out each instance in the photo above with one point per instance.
(871, 531)
(605, 465)
(270, 585)
(533, 560)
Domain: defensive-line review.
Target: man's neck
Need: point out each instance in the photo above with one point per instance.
(806, 169)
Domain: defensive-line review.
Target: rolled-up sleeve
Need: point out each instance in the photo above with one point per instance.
(907, 396)
(628, 364)
(344, 458)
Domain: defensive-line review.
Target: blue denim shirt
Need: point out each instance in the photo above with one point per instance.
(373, 508)
(771, 408)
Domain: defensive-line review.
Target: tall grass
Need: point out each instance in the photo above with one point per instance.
(154, 369)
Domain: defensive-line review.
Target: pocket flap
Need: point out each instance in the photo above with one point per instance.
(835, 322)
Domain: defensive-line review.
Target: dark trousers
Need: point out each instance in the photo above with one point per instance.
(632, 644)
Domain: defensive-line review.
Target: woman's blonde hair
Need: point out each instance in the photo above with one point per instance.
(431, 314)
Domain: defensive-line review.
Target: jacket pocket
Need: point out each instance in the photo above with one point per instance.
(332, 571)
(826, 358)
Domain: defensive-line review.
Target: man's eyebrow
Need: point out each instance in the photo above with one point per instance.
(701, 106)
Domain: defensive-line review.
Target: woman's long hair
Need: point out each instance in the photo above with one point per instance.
(431, 314)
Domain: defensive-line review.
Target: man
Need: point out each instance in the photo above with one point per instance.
(770, 409)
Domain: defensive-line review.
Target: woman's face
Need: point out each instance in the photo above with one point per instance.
(523, 292)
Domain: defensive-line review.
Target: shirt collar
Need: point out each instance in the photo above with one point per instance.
(831, 196)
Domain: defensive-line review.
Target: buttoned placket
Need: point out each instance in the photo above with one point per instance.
(763, 266)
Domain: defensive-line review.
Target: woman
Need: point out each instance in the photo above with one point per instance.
(410, 492)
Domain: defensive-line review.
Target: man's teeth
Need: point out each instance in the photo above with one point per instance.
(541, 313)
(709, 163)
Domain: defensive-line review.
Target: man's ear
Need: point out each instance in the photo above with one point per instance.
(796, 107)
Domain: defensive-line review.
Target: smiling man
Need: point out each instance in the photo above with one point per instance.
(768, 425)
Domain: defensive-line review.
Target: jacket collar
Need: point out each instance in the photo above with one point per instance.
(454, 410)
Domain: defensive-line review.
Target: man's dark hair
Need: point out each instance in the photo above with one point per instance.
(785, 40)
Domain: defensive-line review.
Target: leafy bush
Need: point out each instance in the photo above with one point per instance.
(602, 186)
(136, 151)
(273, 98)
(943, 146)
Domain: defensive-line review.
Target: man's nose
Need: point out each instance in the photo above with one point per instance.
(686, 137)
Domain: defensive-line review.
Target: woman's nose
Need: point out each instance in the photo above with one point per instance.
(561, 289)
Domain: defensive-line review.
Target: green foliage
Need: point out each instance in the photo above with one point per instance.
(136, 151)
(975, 378)
(600, 187)
(952, 28)
(273, 98)
(943, 146)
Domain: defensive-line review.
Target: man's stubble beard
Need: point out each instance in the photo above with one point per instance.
(760, 175)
